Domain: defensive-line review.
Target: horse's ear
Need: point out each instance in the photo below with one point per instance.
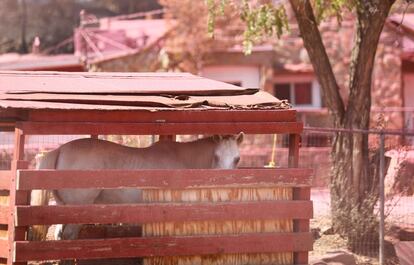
(217, 138)
(239, 138)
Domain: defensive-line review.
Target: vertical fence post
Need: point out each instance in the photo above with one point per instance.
(302, 193)
(382, 199)
(17, 197)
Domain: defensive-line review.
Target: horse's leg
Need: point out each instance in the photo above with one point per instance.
(71, 231)
(75, 197)
(58, 232)
(120, 196)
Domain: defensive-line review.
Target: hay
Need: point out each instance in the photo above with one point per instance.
(219, 227)
(39, 232)
(4, 201)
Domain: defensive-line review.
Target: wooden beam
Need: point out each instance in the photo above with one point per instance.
(294, 142)
(4, 215)
(301, 257)
(16, 233)
(162, 178)
(162, 212)
(161, 128)
(5, 178)
(170, 138)
(4, 248)
(19, 141)
(170, 116)
(162, 246)
(6, 124)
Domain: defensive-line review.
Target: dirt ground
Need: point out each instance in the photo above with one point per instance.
(401, 214)
(334, 242)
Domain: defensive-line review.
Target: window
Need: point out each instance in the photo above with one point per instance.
(299, 94)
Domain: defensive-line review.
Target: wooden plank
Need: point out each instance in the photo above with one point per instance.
(3, 231)
(19, 141)
(5, 178)
(299, 257)
(127, 261)
(4, 248)
(4, 215)
(294, 142)
(162, 212)
(10, 115)
(167, 138)
(162, 178)
(303, 193)
(161, 128)
(166, 116)
(16, 233)
(162, 246)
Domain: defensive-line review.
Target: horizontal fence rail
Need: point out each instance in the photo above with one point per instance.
(5, 177)
(172, 179)
(161, 128)
(297, 209)
(163, 212)
(171, 116)
(4, 248)
(4, 214)
(163, 246)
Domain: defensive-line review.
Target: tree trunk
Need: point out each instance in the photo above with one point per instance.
(352, 205)
(354, 178)
(354, 182)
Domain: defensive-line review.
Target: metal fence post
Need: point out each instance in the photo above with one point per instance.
(382, 200)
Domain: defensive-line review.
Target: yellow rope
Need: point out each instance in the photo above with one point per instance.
(272, 162)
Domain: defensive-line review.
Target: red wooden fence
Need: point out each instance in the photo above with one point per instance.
(5, 178)
(299, 209)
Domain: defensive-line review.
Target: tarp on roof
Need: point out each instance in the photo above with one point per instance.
(111, 91)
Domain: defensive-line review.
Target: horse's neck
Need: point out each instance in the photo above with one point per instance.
(196, 154)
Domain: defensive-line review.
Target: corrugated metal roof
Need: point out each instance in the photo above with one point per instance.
(111, 91)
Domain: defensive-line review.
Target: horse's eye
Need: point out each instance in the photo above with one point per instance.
(236, 160)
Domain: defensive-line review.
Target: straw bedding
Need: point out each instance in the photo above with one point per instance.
(219, 227)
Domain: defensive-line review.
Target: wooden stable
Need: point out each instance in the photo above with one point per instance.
(192, 216)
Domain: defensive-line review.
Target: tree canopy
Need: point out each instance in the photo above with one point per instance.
(54, 20)
(354, 175)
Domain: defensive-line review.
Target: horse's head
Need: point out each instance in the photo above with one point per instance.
(226, 152)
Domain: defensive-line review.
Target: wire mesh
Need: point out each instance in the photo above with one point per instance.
(315, 153)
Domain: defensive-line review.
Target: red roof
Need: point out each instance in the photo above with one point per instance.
(136, 29)
(114, 37)
(111, 91)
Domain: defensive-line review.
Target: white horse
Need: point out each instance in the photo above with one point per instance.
(212, 152)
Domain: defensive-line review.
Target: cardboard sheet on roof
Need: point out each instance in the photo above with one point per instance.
(153, 91)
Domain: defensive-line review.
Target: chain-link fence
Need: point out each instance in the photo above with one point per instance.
(315, 153)
(398, 170)
(396, 163)
(397, 157)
